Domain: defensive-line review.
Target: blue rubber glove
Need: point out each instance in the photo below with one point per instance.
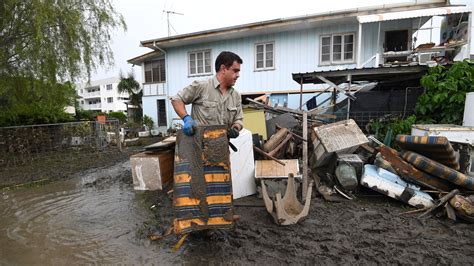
(189, 125)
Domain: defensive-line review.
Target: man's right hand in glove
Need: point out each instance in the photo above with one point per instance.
(189, 125)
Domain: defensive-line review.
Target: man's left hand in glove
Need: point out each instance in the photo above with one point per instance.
(233, 131)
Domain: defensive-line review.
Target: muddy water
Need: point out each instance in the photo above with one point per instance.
(98, 218)
(90, 218)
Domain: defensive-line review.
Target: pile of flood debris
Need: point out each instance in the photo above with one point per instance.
(426, 172)
(303, 151)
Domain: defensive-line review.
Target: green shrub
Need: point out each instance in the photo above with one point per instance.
(118, 115)
(445, 93)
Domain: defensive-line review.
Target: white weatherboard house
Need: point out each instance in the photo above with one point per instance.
(273, 50)
(102, 95)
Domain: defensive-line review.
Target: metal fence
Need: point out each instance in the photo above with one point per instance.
(363, 118)
(43, 150)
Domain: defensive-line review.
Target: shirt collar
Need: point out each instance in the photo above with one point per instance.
(216, 84)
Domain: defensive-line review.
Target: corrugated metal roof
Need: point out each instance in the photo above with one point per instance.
(439, 11)
(299, 22)
(359, 74)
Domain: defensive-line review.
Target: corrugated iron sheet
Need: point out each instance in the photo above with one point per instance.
(439, 11)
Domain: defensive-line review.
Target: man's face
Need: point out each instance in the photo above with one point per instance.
(231, 74)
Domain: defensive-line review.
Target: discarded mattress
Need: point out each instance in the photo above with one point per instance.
(393, 186)
(202, 196)
(437, 148)
(434, 168)
(410, 173)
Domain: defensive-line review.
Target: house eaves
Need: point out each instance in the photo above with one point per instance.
(141, 58)
(286, 24)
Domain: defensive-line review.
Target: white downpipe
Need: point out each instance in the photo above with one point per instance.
(169, 118)
(377, 55)
(359, 46)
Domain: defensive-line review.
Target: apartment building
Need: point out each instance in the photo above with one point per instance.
(102, 95)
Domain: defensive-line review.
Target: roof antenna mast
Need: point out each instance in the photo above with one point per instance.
(168, 12)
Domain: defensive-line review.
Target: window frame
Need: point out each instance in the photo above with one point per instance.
(160, 76)
(203, 52)
(331, 46)
(109, 87)
(264, 68)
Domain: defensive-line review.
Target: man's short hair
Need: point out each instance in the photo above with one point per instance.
(227, 59)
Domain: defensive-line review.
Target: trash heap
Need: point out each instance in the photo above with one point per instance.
(303, 151)
(425, 174)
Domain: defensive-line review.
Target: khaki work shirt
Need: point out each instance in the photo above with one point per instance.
(209, 106)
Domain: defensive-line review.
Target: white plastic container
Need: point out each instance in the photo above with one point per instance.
(242, 165)
(468, 120)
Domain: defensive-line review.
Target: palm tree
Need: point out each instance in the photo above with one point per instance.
(132, 87)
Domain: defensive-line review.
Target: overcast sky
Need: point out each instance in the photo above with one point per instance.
(146, 20)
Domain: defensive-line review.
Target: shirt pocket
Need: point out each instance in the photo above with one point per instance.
(230, 114)
(210, 111)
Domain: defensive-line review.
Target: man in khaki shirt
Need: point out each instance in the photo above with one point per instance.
(214, 101)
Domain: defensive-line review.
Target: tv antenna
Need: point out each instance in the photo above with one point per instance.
(168, 12)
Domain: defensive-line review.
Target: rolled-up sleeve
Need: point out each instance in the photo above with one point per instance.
(189, 94)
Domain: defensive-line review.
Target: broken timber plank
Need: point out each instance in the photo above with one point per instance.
(440, 202)
(305, 154)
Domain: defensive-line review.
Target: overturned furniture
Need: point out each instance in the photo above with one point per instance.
(287, 210)
(393, 186)
(342, 137)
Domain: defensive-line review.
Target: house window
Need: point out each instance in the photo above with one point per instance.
(110, 99)
(82, 102)
(199, 63)
(161, 108)
(155, 71)
(337, 49)
(109, 87)
(264, 56)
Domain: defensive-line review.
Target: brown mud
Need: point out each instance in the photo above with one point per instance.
(369, 229)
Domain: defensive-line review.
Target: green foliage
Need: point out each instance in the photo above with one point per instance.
(119, 115)
(148, 121)
(132, 87)
(51, 40)
(388, 127)
(445, 93)
(88, 115)
(29, 101)
(45, 44)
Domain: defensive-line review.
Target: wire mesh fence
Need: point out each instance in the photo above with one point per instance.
(42, 151)
(364, 117)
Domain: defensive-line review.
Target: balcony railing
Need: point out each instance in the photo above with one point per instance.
(93, 106)
(95, 94)
(154, 89)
